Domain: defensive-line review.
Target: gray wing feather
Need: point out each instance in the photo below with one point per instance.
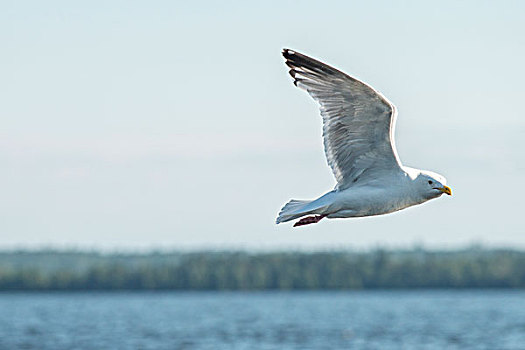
(358, 122)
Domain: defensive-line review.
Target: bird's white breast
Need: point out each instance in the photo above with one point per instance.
(374, 199)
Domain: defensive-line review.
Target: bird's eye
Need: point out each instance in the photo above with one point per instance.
(430, 182)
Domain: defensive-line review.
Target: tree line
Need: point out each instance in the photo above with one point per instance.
(378, 269)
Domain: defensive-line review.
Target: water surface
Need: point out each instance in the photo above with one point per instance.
(264, 320)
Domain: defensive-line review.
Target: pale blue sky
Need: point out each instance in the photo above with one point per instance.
(175, 124)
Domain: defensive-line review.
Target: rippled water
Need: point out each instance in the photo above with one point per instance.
(264, 320)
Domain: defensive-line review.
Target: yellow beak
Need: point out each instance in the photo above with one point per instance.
(446, 189)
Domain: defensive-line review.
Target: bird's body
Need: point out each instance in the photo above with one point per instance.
(358, 127)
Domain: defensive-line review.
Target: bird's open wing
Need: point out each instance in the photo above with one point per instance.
(358, 122)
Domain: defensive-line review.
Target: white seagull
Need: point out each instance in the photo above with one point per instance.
(358, 132)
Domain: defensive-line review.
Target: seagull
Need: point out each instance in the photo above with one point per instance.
(358, 133)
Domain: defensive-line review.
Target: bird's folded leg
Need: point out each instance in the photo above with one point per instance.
(309, 220)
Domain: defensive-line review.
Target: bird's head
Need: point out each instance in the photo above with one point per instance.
(432, 185)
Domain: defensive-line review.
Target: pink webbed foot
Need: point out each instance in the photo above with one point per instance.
(309, 220)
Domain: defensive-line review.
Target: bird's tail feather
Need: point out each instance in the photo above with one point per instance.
(292, 210)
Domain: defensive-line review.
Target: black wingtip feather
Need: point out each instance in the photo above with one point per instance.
(290, 63)
(287, 52)
(295, 59)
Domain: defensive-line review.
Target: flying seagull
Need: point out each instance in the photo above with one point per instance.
(358, 132)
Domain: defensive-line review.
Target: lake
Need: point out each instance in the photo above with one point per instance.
(473, 319)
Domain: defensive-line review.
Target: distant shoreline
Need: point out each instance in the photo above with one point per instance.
(261, 291)
(52, 270)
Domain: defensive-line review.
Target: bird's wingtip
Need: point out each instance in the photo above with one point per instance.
(287, 52)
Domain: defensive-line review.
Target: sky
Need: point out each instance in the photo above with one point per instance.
(170, 124)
